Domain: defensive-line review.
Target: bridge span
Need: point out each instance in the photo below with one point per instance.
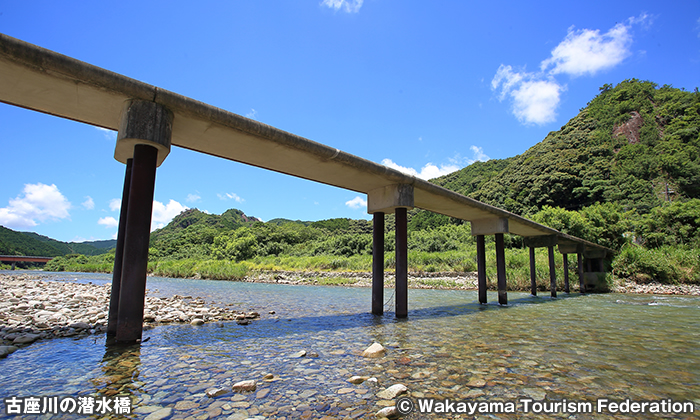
(14, 259)
(150, 119)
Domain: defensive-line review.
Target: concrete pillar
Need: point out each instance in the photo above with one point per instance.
(533, 272)
(401, 262)
(481, 267)
(501, 269)
(395, 199)
(119, 254)
(552, 272)
(581, 283)
(144, 137)
(14, 265)
(566, 273)
(601, 265)
(378, 264)
(132, 292)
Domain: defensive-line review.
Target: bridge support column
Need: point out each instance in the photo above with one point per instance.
(533, 272)
(501, 270)
(14, 265)
(395, 199)
(481, 267)
(119, 255)
(566, 273)
(401, 263)
(494, 226)
(378, 264)
(581, 282)
(552, 272)
(144, 137)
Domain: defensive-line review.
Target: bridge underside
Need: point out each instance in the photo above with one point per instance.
(149, 120)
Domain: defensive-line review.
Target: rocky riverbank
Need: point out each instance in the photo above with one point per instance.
(32, 309)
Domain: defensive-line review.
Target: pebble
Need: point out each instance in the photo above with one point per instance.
(392, 392)
(373, 351)
(388, 413)
(244, 386)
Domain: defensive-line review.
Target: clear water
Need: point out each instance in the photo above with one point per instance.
(578, 348)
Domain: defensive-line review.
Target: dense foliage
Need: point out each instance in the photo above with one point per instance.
(636, 144)
(30, 243)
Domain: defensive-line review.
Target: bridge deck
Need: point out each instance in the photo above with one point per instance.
(45, 81)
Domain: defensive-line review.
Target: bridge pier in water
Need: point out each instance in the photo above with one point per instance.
(497, 227)
(548, 241)
(143, 143)
(396, 199)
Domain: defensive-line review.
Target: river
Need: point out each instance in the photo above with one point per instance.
(588, 352)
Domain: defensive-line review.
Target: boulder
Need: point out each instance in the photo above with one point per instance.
(388, 413)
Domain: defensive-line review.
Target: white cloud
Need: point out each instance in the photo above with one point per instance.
(253, 114)
(164, 213)
(40, 203)
(357, 203)
(536, 101)
(109, 134)
(536, 95)
(108, 222)
(193, 198)
(230, 196)
(586, 52)
(428, 171)
(89, 203)
(115, 204)
(479, 155)
(349, 6)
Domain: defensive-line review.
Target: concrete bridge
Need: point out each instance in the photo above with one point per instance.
(150, 119)
(14, 259)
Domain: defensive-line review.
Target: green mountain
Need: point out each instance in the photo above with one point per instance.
(30, 243)
(635, 144)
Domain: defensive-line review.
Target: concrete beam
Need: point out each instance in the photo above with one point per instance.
(570, 248)
(594, 253)
(540, 241)
(387, 199)
(490, 226)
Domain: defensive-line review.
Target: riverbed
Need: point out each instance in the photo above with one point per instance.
(576, 348)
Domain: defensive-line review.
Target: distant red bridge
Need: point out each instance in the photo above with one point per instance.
(14, 259)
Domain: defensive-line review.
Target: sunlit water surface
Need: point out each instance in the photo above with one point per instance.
(578, 348)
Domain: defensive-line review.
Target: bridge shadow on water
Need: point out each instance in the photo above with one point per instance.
(281, 327)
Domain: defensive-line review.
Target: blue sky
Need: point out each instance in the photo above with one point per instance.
(426, 87)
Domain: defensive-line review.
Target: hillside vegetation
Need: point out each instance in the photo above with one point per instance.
(624, 173)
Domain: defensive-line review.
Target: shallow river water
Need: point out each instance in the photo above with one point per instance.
(579, 350)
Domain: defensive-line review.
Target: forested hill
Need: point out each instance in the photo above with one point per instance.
(636, 144)
(30, 243)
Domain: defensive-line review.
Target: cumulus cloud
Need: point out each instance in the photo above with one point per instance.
(115, 204)
(164, 213)
(193, 198)
(39, 203)
(535, 96)
(349, 6)
(357, 203)
(89, 203)
(428, 171)
(586, 52)
(108, 222)
(230, 196)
